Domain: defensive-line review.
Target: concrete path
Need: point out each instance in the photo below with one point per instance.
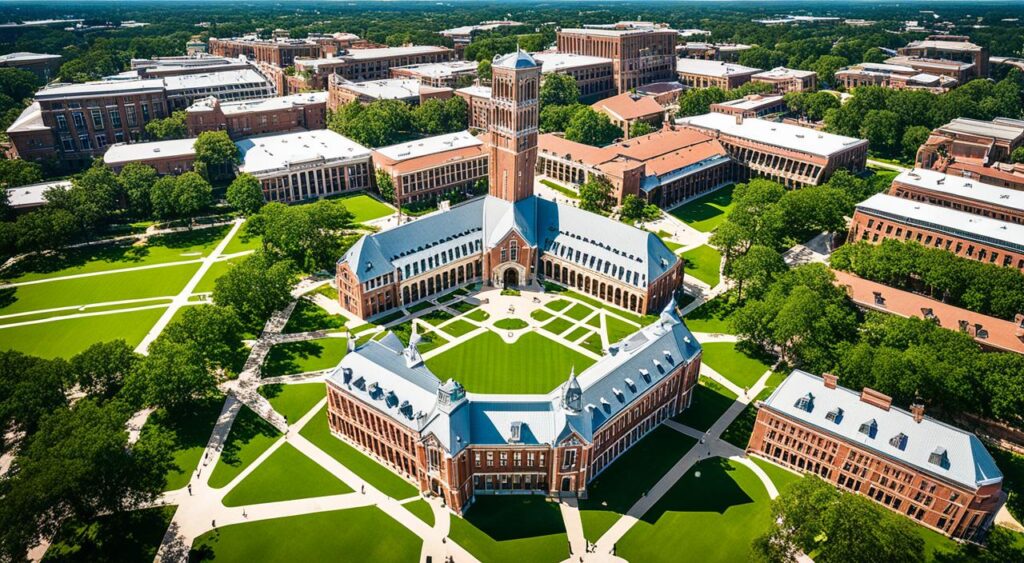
(81, 315)
(186, 292)
(887, 166)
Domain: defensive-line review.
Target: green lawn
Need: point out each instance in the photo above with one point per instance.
(713, 316)
(533, 364)
(437, 316)
(558, 304)
(243, 241)
(541, 315)
(215, 271)
(63, 339)
(643, 320)
(735, 365)
(710, 401)
(459, 327)
(618, 329)
(382, 478)
(357, 534)
(293, 400)
(250, 436)
(138, 284)
(592, 342)
(191, 429)
(160, 250)
(419, 307)
(127, 536)
(620, 485)
(365, 208)
(738, 433)
(478, 315)
(513, 529)
(422, 510)
(301, 357)
(578, 333)
(713, 517)
(703, 263)
(309, 316)
(780, 476)
(560, 189)
(285, 475)
(558, 326)
(510, 324)
(1012, 466)
(706, 213)
(428, 340)
(578, 312)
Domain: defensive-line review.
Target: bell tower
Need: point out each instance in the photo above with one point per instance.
(512, 125)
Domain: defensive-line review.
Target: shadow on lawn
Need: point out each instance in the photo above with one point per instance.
(8, 296)
(714, 491)
(247, 425)
(283, 358)
(533, 516)
(126, 536)
(704, 208)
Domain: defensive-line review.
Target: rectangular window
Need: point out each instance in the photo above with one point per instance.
(145, 113)
(78, 119)
(97, 118)
(67, 144)
(62, 123)
(569, 460)
(476, 459)
(101, 140)
(130, 112)
(513, 250)
(115, 118)
(83, 140)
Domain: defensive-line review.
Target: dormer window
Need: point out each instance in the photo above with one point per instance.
(805, 403)
(645, 374)
(899, 441)
(515, 432)
(631, 384)
(869, 428)
(835, 415)
(939, 457)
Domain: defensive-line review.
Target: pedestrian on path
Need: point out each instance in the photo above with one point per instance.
(362, 489)
(244, 515)
(214, 524)
(190, 489)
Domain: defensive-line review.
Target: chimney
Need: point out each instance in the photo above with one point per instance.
(830, 380)
(917, 409)
(739, 118)
(876, 398)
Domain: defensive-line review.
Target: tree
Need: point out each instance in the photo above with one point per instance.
(641, 128)
(756, 268)
(100, 370)
(556, 118)
(136, 180)
(697, 101)
(875, 55)
(483, 70)
(1017, 155)
(162, 197)
(30, 388)
(172, 127)
(816, 209)
(589, 127)
(215, 333)
(636, 209)
(173, 375)
(826, 67)
(192, 194)
(17, 172)
(215, 152)
(77, 467)
(246, 194)
(913, 138)
(456, 114)
(559, 90)
(18, 84)
(882, 130)
(255, 288)
(45, 229)
(95, 195)
(596, 194)
(380, 123)
(385, 185)
(429, 117)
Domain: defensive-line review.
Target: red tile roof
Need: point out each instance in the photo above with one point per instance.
(626, 106)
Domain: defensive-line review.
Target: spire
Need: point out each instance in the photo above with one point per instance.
(572, 393)
(351, 344)
(412, 353)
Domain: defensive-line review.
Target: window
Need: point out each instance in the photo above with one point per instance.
(62, 123)
(569, 460)
(84, 141)
(130, 112)
(869, 428)
(145, 112)
(939, 457)
(490, 459)
(503, 255)
(433, 459)
(504, 459)
(101, 140)
(67, 144)
(97, 118)
(79, 121)
(530, 458)
(513, 250)
(115, 118)
(835, 415)
(899, 441)
(805, 403)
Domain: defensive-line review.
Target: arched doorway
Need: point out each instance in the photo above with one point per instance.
(511, 278)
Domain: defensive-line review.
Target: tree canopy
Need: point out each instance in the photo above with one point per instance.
(245, 193)
(590, 127)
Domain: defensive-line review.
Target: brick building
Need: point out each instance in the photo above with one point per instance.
(227, 86)
(258, 117)
(462, 36)
(884, 216)
(594, 76)
(626, 109)
(960, 193)
(754, 105)
(306, 165)
(383, 399)
(279, 52)
(971, 61)
(639, 56)
(897, 77)
(370, 64)
(916, 466)
(699, 73)
(411, 91)
(426, 169)
(792, 155)
(45, 67)
(665, 168)
(439, 75)
(728, 52)
(784, 79)
(510, 237)
(976, 149)
(159, 67)
(171, 157)
(478, 102)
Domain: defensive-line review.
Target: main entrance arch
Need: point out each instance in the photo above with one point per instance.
(509, 275)
(511, 278)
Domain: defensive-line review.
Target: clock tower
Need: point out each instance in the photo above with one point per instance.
(512, 125)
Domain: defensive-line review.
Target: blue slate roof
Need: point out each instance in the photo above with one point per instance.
(593, 242)
(518, 59)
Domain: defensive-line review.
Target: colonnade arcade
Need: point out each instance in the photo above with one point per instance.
(594, 286)
(416, 289)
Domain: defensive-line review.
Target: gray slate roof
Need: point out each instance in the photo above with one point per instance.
(967, 461)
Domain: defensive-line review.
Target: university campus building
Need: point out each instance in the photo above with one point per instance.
(968, 218)
(729, 52)
(701, 73)
(937, 474)
(640, 54)
(754, 105)
(784, 79)
(895, 76)
(341, 91)
(624, 110)
(789, 154)
(439, 75)
(595, 76)
(510, 237)
(949, 55)
(666, 167)
(458, 444)
(369, 64)
(44, 66)
(258, 117)
(426, 169)
(976, 149)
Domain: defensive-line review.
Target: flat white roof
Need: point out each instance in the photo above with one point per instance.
(693, 32)
(960, 223)
(783, 72)
(24, 57)
(264, 104)
(554, 62)
(439, 70)
(616, 32)
(123, 153)
(712, 68)
(479, 91)
(99, 88)
(32, 195)
(267, 154)
(1000, 128)
(430, 145)
(879, 67)
(212, 79)
(752, 102)
(482, 26)
(943, 45)
(964, 187)
(387, 89)
(778, 134)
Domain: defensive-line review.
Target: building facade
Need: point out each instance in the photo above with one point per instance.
(370, 64)
(438, 75)
(784, 79)
(341, 91)
(789, 154)
(457, 445)
(624, 110)
(478, 102)
(306, 165)
(168, 158)
(973, 59)
(639, 56)
(976, 149)
(728, 52)
(258, 117)
(895, 76)
(936, 474)
(45, 67)
(700, 73)
(754, 105)
(510, 237)
(427, 169)
(595, 76)
(280, 52)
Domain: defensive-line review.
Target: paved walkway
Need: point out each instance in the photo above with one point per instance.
(887, 166)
